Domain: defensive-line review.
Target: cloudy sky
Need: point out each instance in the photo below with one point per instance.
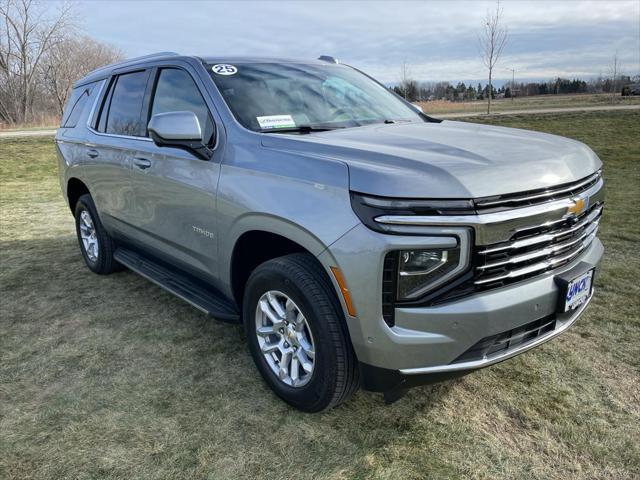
(438, 39)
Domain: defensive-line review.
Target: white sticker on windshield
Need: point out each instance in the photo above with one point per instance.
(276, 121)
(224, 69)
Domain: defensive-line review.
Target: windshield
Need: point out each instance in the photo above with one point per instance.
(290, 97)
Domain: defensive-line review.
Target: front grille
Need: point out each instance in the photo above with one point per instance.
(535, 197)
(502, 343)
(535, 250)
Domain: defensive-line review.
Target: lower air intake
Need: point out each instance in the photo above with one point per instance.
(501, 343)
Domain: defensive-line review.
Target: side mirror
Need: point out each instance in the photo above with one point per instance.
(178, 130)
(417, 107)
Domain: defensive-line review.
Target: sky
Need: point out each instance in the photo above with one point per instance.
(437, 39)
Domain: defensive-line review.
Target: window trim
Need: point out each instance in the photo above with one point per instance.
(92, 113)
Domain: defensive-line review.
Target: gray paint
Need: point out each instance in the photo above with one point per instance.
(448, 159)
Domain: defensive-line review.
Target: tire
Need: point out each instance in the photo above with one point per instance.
(99, 255)
(301, 279)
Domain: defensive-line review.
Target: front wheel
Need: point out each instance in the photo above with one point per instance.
(297, 334)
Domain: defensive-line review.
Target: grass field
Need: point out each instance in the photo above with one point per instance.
(529, 103)
(111, 377)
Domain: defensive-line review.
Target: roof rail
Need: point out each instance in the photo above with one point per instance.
(327, 58)
(143, 57)
(102, 71)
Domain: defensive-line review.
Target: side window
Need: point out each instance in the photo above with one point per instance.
(122, 111)
(177, 92)
(75, 106)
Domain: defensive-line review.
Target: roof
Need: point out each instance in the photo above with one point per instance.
(104, 72)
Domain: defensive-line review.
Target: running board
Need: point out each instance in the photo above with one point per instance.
(204, 298)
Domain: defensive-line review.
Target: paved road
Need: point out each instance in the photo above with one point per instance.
(540, 110)
(39, 133)
(27, 133)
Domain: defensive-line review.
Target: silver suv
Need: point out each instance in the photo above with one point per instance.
(358, 241)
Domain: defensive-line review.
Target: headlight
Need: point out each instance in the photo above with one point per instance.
(423, 270)
(367, 208)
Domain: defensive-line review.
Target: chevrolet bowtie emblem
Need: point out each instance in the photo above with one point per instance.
(579, 206)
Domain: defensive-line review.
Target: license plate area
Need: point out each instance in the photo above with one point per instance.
(575, 290)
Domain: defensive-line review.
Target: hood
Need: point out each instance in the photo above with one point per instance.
(445, 160)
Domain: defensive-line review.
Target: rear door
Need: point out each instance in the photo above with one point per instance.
(175, 191)
(116, 133)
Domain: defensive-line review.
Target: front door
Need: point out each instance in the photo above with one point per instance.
(175, 191)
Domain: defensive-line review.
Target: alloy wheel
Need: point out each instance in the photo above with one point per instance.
(285, 339)
(88, 236)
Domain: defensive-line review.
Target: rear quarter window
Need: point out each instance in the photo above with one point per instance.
(76, 104)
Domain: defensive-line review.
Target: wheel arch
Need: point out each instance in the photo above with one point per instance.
(75, 189)
(258, 239)
(246, 257)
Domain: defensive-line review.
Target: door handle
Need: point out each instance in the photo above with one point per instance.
(141, 163)
(92, 152)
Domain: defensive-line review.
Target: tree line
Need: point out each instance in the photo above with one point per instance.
(415, 91)
(42, 52)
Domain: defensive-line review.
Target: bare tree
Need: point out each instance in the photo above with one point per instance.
(614, 70)
(28, 32)
(492, 41)
(405, 78)
(71, 59)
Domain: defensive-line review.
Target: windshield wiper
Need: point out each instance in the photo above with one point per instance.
(299, 128)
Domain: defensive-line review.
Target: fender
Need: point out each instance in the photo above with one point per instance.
(269, 223)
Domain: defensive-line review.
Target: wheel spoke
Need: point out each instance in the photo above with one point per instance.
(269, 348)
(273, 301)
(284, 365)
(265, 331)
(295, 370)
(291, 311)
(310, 352)
(300, 323)
(304, 361)
(266, 309)
(304, 343)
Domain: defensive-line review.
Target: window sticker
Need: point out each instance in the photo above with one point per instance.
(276, 121)
(224, 69)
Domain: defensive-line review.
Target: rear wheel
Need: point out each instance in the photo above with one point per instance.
(297, 334)
(96, 245)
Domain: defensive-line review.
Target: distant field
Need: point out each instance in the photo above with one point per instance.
(524, 103)
(110, 377)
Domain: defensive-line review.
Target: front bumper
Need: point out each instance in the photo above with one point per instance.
(425, 342)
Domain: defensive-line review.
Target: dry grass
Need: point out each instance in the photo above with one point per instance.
(43, 121)
(110, 377)
(528, 103)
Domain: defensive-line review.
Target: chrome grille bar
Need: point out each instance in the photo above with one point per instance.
(547, 237)
(542, 195)
(550, 250)
(538, 267)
